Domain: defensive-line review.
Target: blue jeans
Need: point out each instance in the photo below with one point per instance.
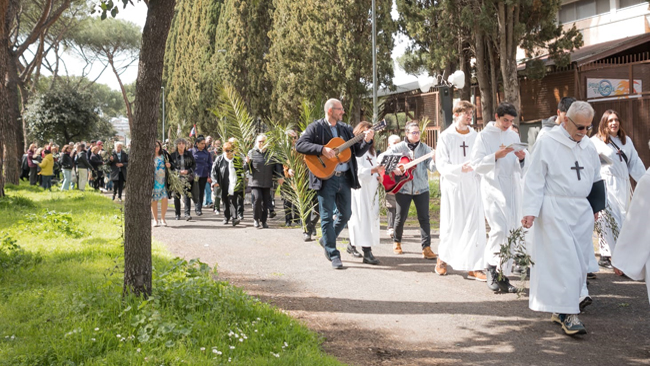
(67, 179)
(334, 194)
(208, 195)
(46, 182)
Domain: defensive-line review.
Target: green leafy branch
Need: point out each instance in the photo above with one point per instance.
(515, 250)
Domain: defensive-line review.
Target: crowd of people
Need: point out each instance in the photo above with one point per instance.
(76, 165)
(550, 188)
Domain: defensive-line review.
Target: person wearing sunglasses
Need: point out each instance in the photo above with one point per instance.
(612, 141)
(228, 174)
(262, 174)
(563, 170)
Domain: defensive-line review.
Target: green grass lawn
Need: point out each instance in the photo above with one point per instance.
(61, 265)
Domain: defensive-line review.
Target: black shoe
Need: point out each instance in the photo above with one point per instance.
(352, 250)
(314, 232)
(188, 217)
(605, 262)
(306, 237)
(240, 217)
(265, 226)
(256, 224)
(235, 222)
(178, 217)
(287, 224)
(584, 303)
(272, 214)
(495, 284)
(591, 276)
(336, 263)
(226, 221)
(322, 244)
(199, 213)
(368, 257)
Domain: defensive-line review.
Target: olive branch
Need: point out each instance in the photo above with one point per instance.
(515, 250)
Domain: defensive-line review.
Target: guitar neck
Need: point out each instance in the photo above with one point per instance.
(351, 142)
(418, 160)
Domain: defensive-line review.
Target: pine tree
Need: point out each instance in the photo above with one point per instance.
(189, 77)
(242, 42)
(323, 49)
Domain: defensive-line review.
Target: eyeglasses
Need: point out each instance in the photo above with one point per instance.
(337, 108)
(414, 133)
(227, 151)
(580, 128)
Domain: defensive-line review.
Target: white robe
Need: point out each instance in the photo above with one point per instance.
(617, 179)
(364, 222)
(462, 221)
(632, 252)
(501, 187)
(562, 248)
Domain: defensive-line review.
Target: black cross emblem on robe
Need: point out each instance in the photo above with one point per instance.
(369, 160)
(464, 147)
(577, 168)
(620, 154)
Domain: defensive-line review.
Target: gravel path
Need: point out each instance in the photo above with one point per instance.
(401, 312)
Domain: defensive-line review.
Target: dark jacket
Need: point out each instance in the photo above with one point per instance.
(190, 165)
(203, 160)
(115, 170)
(317, 135)
(66, 161)
(221, 175)
(81, 160)
(261, 170)
(96, 161)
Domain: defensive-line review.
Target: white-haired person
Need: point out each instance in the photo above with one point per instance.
(262, 174)
(391, 204)
(119, 162)
(564, 168)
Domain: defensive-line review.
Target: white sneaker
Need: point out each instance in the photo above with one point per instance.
(163, 223)
(155, 223)
(390, 232)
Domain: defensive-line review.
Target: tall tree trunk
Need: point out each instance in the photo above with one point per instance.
(508, 16)
(482, 74)
(4, 103)
(463, 64)
(137, 238)
(13, 143)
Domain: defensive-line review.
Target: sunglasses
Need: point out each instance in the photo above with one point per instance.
(227, 151)
(580, 128)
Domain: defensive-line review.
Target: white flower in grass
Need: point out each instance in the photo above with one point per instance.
(119, 336)
(236, 335)
(202, 348)
(93, 339)
(232, 347)
(286, 344)
(229, 359)
(255, 330)
(137, 350)
(96, 329)
(241, 339)
(258, 319)
(275, 354)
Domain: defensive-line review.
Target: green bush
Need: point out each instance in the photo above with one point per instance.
(13, 256)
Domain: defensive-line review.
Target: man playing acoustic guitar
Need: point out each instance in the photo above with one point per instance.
(416, 190)
(335, 191)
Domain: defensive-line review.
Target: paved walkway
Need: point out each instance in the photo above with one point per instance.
(400, 312)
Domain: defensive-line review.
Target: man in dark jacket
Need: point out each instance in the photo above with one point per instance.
(183, 161)
(119, 162)
(333, 192)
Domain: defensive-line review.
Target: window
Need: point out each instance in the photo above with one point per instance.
(628, 3)
(584, 9)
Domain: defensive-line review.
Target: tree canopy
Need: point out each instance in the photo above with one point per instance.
(64, 114)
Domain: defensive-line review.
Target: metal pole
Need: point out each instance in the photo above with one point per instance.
(163, 116)
(374, 64)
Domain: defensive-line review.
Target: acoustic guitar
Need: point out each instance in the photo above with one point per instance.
(324, 168)
(393, 183)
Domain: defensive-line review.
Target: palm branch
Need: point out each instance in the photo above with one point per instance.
(235, 120)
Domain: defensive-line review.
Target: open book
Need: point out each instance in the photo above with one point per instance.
(518, 146)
